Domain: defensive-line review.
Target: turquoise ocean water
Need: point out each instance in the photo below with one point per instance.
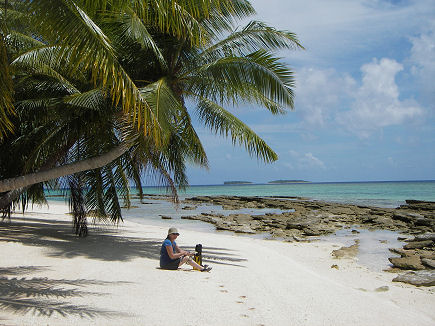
(382, 194)
(373, 253)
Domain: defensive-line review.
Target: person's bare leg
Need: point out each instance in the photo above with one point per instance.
(194, 264)
(191, 262)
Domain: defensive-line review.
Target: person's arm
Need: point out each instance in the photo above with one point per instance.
(181, 251)
(171, 253)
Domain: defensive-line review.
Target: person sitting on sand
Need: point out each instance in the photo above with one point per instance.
(172, 257)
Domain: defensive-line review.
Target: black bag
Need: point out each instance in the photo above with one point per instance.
(198, 254)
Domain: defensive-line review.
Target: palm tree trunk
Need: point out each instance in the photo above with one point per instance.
(60, 171)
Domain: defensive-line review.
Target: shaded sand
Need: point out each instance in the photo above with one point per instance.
(50, 277)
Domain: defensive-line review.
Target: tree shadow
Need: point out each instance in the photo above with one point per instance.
(219, 256)
(103, 243)
(45, 297)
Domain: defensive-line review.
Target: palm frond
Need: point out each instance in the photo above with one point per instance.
(254, 36)
(126, 26)
(6, 92)
(184, 19)
(223, 80)
(88, 48)
(92, 100)
(226, 124)
(19, 42)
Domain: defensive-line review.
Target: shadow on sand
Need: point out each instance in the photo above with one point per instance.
(102, 243)
(45, 297)
(42, 296)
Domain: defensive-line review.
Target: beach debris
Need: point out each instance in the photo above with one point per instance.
(417, 278)
(335, 266)
(347, 252)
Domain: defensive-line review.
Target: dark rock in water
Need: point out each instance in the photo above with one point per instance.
(402, 252)
(418, 244)
(404, 217)
(419, 205)
(312, 231)
(428, 262)
(296, 225)
(424, 221)
(419, 278)
(424, 237)
(408, 262)
(189, 207)
(165, 217)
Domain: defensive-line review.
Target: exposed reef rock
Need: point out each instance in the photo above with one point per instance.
(302, 219)
(419, 278)
(307, 218)
(347, 252)
(417, 254)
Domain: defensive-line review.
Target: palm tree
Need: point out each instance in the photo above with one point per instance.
(6, 89)
(104, 124)
(90, 49)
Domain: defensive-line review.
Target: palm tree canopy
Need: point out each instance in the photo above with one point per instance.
(134, 72)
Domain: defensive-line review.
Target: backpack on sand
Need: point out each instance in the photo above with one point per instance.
(198, 254)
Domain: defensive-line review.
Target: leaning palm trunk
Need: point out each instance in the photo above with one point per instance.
(64, 170)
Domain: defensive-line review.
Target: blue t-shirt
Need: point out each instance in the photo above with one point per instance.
(164, 257)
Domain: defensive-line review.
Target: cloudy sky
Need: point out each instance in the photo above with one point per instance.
(365, 96)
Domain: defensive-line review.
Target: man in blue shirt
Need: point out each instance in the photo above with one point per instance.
(172, 257)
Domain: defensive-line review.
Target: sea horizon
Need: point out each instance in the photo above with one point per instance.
(388, 194)
(304, 181)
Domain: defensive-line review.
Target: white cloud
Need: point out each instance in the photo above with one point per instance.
(319, 92)
(312, 161)
(335, 27)
(422, 59)
(304, 161)
(376, 102)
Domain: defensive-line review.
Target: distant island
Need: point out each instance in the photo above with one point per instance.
(288, 181)
(237, 182)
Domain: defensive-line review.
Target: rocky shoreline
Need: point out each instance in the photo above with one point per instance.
(305, 220)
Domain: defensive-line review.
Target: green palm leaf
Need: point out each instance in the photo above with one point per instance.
(89, 48)
(225, 79)
(226, 124)
(254, 36)
(6, 92)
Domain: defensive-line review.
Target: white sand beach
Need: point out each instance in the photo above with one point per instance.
(50, 277)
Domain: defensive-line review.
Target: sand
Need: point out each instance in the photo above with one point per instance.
(50, 277)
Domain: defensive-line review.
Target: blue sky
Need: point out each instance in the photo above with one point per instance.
(365, 96)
